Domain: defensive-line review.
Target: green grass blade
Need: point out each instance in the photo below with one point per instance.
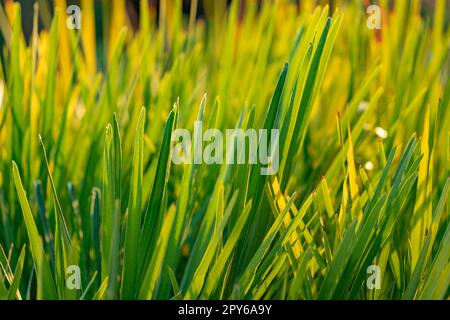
(43, 271)
(131, 254)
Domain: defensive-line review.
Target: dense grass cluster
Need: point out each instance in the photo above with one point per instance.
(86, 118)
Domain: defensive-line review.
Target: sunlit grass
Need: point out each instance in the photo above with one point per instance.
(86, 118)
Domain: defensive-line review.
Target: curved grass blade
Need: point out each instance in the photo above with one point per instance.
(43, 272)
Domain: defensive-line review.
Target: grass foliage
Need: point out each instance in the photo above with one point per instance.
(86, 118)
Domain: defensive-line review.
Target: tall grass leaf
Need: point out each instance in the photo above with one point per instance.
(133, 227)
(417, 274)
(155, 267)
(219, 265)
(59, 213)
(306, 101)
(49, 102)
(186, 194)
(422, 208)
(256, 181)
(13, 289)
(43, 271)
(153, 216)
(216, 234)
(436, 284)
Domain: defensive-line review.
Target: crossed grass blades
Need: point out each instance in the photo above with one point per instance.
(86, 176)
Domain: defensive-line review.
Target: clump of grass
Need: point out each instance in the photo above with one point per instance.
(85, 153)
